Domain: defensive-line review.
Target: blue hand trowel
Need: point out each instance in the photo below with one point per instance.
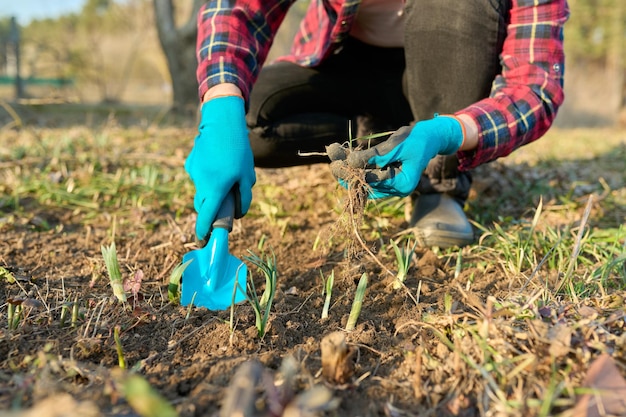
(210, 279)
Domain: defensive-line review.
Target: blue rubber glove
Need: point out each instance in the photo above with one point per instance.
(394, 167)
(221, 160)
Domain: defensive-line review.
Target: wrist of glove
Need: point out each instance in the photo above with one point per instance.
(221, 160)
(394, 167)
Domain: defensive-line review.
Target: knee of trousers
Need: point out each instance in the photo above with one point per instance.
(263, 147)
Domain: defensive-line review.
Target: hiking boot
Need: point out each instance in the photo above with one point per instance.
(439, 220)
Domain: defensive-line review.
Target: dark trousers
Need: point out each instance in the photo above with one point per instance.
(449, 61)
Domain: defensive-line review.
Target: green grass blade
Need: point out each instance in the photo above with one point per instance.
(145, 400)
(173, 288)
(330, 281)
(118, 346)
(357, 303)
(113, 268)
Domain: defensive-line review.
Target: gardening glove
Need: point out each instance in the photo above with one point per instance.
(221, 160)
(394, 167)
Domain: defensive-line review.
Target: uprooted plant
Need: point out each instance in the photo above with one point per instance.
(355, 181)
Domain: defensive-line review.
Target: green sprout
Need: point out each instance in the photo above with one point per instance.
(328, 291)
(70, 307)
(144, 399)
(316, 242)
(118, 345)
(113, 267)
(263, 305)
(270, 211)
(367, 138)
(173, 289)
(65, 308)
(7, 275)
(357, 303)
(261, 242)
(403, 259)
(233, 303)
(14, 314)
(75, 312)
(190, 306)
(459, 264)
(447, 303)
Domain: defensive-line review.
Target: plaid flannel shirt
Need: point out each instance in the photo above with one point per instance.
(234, 38)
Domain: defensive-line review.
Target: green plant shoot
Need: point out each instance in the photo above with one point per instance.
(7, 275)
(268, 268)
(118, 345)
(262, 306)
(403, 260)
(14, 315)
(328, 290)
(113, 268)
(447, 303)
(145, 400)
(357, 303)
(75, 312)
(173, 289)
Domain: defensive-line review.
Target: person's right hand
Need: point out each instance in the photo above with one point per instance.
(221, 160)
(394, 167)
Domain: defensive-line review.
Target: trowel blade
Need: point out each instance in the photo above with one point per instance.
(210, 279)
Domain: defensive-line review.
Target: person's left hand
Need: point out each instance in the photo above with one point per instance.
(394, 167)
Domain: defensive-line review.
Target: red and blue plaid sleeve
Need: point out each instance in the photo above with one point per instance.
(234, 38)
(525, 98)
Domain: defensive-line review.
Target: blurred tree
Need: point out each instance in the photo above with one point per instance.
(179, 46)
(15, 45)
(111, 48)
(5, 24)
(594, 38)
(106, 48)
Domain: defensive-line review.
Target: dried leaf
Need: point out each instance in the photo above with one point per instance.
(614, 301)
(139, 311)
(26, 302)
(32, 303)
(560, 337)
(587, 312)
(545, 312)
(609, 390)
(15, 301)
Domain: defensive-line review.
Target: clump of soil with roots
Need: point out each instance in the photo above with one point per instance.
(353, 179)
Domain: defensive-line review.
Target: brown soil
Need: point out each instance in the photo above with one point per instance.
(191, 360)
(190, 355)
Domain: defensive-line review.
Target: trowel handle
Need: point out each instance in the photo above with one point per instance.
(226, 213)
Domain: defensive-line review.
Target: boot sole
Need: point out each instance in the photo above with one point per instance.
(444, 239)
